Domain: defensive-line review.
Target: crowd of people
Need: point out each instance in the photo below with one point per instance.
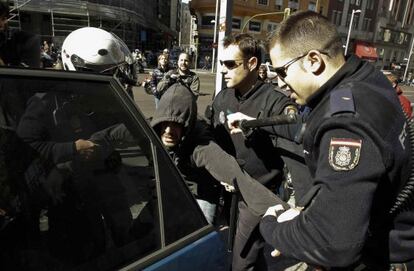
(351, 204)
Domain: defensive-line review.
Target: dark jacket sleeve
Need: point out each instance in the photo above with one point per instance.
(32, 129)
(164, 83)
(154, 81)
(195, 85)
(224, 168)
(332, 228)
(221, 165)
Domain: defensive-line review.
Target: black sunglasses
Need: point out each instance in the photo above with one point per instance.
(281, 71)
(231, 64)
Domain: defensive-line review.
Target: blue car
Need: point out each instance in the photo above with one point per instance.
(85, 183)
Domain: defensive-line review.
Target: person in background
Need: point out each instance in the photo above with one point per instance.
(262, 73)
(404, 101)
(46, 47)
(157, 74)
(182, 74)
(206, 62)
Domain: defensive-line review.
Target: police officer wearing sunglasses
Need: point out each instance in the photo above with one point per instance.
(356, 149)
(256, 153)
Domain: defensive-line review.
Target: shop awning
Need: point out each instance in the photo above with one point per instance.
(365, 50)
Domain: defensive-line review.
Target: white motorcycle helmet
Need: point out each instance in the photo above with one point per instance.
(94, 49)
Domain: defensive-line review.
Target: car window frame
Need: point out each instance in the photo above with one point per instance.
(136, 114)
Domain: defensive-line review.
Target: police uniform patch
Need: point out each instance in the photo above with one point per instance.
(344, 153)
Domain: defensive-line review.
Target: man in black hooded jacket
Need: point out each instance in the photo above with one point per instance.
(192, 148)
(200, 160)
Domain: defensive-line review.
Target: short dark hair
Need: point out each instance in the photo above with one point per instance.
(248, 45)
(307, 30)
(4, 8)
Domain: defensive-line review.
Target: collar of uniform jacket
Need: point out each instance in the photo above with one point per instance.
(352, 64)
(254, 88)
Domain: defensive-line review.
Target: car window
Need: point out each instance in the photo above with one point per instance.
(80, 182)
(182, 217)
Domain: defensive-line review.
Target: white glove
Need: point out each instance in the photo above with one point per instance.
(233, 121)
(228, 187)
(285, 216)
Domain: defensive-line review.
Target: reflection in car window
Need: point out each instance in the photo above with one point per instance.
(182, 217)
(77, 182)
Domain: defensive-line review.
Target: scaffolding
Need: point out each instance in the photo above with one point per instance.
(60, 17)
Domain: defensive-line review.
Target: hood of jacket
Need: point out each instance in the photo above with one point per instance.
(177, 104)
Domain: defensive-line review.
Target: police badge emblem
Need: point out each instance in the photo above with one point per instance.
(222, 117)
(344, 153)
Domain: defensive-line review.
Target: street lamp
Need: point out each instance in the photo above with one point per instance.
(409, 59)
(213, 57)
(350, 28)
(191, 41)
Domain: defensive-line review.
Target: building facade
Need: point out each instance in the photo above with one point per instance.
(260, 26)
(394, 34)
(381, 31)
(141, 24)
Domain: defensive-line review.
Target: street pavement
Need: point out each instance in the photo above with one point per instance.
(146, 101)
(409, 92)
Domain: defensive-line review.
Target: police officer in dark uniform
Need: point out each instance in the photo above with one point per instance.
(256, 154)
(356, 149)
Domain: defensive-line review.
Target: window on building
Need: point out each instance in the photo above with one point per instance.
(255, 26)
(236, 23)
(338, 18)
(365, 24)
(271, 27)
(348, 19)
(409, 19)
(312, 6)
(356, 21)
(279, 4)
(206, 20)
(293, 4)
(370, 4)
(395, 9)
(263, 2)
(333, 18)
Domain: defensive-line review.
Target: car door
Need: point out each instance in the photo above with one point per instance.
(85, 183)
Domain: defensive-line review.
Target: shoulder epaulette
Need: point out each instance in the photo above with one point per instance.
(341, 101)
